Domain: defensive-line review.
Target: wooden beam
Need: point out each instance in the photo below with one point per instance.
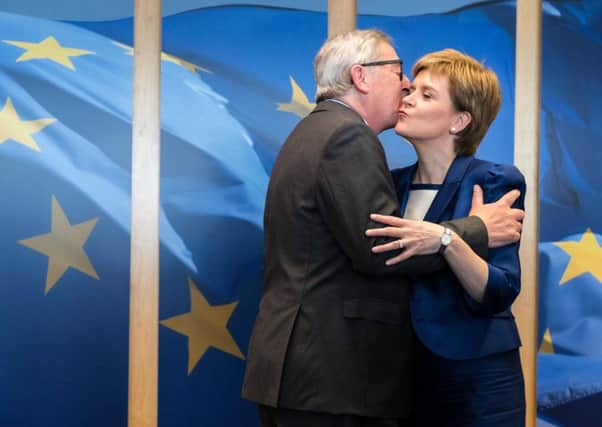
(526, 156)
(342, 16)
(144, 273)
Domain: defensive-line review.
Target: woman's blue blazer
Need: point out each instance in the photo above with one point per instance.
(444, 317)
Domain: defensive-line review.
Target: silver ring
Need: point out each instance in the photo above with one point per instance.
(400, 243)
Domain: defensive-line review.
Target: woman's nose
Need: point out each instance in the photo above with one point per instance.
(408, 100)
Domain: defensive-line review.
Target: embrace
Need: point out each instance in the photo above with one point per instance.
(387, 294)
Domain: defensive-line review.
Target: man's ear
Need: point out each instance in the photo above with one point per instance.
(462, 119)
(358, 78)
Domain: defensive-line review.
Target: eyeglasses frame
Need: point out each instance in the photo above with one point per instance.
(386, 62)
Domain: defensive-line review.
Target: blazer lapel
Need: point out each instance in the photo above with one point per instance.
(402, 186)
(450, 186)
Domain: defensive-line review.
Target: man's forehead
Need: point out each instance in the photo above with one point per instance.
(388, 51)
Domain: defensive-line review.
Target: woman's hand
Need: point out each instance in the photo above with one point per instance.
(413, 237)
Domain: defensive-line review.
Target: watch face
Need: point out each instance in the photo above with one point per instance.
(446, 239)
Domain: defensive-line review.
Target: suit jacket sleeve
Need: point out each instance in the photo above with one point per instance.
(503, 282)
(353, 182)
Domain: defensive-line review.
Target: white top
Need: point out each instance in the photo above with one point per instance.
(419, 200)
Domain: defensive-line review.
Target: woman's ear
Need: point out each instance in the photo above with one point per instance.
(358, 78)
(462, 119)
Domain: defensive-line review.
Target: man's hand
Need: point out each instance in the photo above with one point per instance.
(504, 224)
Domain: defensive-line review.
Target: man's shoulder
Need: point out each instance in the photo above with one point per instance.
(330, 122)
(334, 113)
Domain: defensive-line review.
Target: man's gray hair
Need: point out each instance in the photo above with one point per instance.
(337, 55)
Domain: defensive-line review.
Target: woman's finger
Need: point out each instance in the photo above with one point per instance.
(399, 258)
(387, 219)
(391, 246)
(383, 232)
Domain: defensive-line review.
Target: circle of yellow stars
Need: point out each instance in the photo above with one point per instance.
(205, 325)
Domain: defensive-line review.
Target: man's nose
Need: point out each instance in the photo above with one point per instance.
(405, 87)
(406, 83)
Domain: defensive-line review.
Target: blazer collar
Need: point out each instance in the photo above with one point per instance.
(402, 185)
(450, 186)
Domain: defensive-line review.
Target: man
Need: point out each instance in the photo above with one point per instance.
(332, 341)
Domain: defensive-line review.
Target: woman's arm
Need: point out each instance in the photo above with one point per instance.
(491, 286)
(418, 237)
(472, 272)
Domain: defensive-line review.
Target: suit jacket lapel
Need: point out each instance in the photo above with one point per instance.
(450, 186)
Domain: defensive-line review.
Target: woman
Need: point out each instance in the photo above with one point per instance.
(468, 366)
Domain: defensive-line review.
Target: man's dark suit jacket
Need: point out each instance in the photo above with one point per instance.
(333, 333)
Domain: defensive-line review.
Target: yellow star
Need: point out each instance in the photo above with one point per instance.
(14, 129)
(64, 246)
(193, 68)
(299, 104)
(586, 257)
(49, 48)
(205, 326)
(546, 343)
(182, 63)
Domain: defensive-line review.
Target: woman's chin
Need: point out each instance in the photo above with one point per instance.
(401, 130)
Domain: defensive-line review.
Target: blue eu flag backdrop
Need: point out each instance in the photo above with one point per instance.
(235, 81)
(65, 155)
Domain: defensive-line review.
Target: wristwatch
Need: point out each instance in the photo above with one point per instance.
(446, 239)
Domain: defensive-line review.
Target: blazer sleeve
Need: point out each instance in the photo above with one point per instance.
(354, 181)
(503, 282)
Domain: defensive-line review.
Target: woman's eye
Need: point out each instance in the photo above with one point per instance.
(426, 95)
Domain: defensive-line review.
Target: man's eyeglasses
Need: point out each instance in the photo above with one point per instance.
(387, 62)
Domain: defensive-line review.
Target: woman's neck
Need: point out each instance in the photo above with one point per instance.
(433, 163)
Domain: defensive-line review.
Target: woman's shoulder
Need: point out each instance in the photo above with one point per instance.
(496, 172)
(496, 179)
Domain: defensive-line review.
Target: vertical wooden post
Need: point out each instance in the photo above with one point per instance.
(526, 157)
(144, 273)
(342, 16)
